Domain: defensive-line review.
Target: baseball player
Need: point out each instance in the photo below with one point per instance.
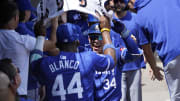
(131, 72)
(108, 83)
(70, 75)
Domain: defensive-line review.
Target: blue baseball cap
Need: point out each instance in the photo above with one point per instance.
(67, 33)
(91, 18)
(24, 5)
(94, 29)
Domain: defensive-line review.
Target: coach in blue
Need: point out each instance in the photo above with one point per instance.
(69, 76)
(159, 19)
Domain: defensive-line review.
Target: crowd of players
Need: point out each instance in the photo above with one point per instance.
(77, 57)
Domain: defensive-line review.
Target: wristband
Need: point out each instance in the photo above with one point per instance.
(40, 43)
(105, 29)
(108, 46)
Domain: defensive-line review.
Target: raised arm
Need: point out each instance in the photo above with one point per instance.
(40, 32)
(108, 48)
(50, 44)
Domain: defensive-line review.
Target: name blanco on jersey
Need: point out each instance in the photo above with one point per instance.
(64, 64)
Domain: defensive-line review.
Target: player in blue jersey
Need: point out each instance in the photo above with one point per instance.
(69, 75)
(155, 72)
(131, 72)
(159, 20)
(84, 43)
(108, 83)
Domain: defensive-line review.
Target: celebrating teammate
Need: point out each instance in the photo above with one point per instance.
(70, 75)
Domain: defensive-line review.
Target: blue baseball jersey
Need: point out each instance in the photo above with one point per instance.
(69, 76)
(84, 44)
(108, 83)
(24, 30)
(159, 19)
(116, 38)
(129, 21)
(30, 25)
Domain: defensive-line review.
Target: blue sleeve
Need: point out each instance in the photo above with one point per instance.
(142, 33)
(35, 55)
(126, 36)
(30, 25)
(131, 45)
(35, 64)
(142, 36)
(35, 68)
(124, 56)
(103, 62)
(23, 30)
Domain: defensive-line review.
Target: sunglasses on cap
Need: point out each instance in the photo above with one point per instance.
(95, 37)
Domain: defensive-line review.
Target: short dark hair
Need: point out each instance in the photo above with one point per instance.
(7, 67)
(7, 11)
(21, 16)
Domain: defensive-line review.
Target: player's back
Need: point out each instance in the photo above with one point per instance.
(69, 76)
(108, 85)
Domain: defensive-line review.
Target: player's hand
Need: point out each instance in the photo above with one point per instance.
(40, 29)
(54, 22)
(104, 22)
(156, 74)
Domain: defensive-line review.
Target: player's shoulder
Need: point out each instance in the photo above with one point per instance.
(49, 59)
(91, 54)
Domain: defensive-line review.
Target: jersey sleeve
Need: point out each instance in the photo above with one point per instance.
(142, 37)
(35, 64)
(29, 42)
(35, 69)
(142, 33)
(124, 56)
(103, 62)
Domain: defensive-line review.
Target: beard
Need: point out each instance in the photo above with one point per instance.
(120, 7)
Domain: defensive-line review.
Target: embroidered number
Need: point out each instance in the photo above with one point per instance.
(75, 82)
(110, 84)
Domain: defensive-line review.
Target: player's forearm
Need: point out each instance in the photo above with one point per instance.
(50, 44)
(37, 53)
(108, 48)
(149, 55)
(107, 41)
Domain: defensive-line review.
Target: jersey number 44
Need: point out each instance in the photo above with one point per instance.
(74, 86)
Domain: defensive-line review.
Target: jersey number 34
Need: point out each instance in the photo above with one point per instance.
(76, 81)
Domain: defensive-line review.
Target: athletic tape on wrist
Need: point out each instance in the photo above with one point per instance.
(108, 46)
(40, 43)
